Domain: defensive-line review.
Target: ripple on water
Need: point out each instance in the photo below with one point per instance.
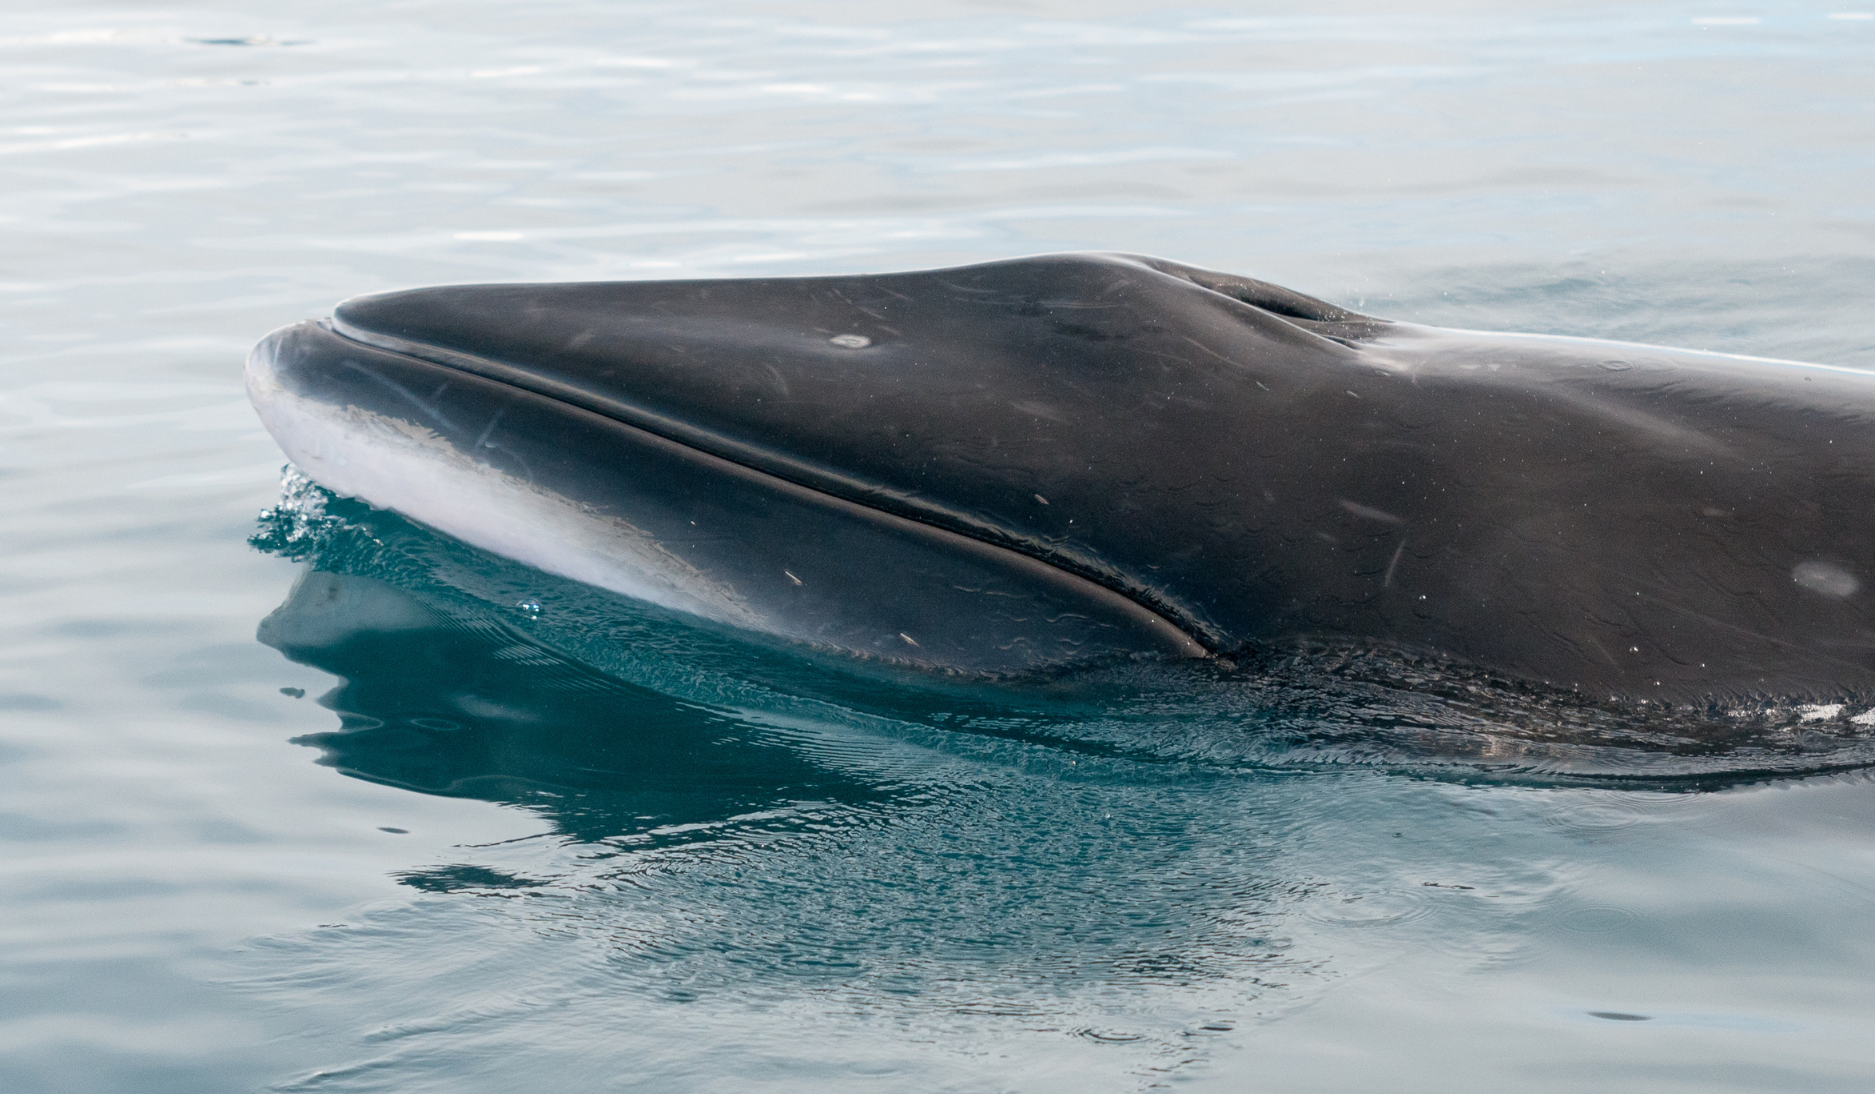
(1598, 919)
(1604, 815)
(1377, 908)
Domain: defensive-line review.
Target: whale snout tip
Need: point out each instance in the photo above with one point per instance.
(260, 373)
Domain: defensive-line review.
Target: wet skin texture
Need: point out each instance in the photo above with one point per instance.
(1246, 464)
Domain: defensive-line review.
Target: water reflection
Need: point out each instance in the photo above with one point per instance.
(707, 856)
(1114, 872)
(470, 708)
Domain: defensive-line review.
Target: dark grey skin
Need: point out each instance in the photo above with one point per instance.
(1151, 457)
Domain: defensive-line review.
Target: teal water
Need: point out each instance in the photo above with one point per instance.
(416, 837)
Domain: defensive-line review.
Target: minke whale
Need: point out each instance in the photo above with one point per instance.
(1029, 464)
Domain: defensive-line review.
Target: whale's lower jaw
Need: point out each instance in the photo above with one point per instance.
(396, 464)
(575, 494)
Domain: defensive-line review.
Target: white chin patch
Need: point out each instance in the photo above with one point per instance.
(394, 464)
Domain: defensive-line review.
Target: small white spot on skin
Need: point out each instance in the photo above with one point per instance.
(791, 576)
(1036, 409)
(908, 638)
(1369, 512)
(1827, 578)
(1817, 712)
(851, 341)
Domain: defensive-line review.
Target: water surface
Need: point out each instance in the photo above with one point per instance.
(424, 838)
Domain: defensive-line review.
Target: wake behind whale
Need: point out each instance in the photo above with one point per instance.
(1031, 465)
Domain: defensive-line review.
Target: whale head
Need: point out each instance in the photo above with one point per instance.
(1034, 463)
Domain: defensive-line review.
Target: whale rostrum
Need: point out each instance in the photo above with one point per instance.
(1041, 462)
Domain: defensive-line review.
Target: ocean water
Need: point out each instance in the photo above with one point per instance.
(297, 796)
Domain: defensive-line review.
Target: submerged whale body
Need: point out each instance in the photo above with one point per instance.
(1041, 462)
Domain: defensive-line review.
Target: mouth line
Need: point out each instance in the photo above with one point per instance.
(802, 473)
